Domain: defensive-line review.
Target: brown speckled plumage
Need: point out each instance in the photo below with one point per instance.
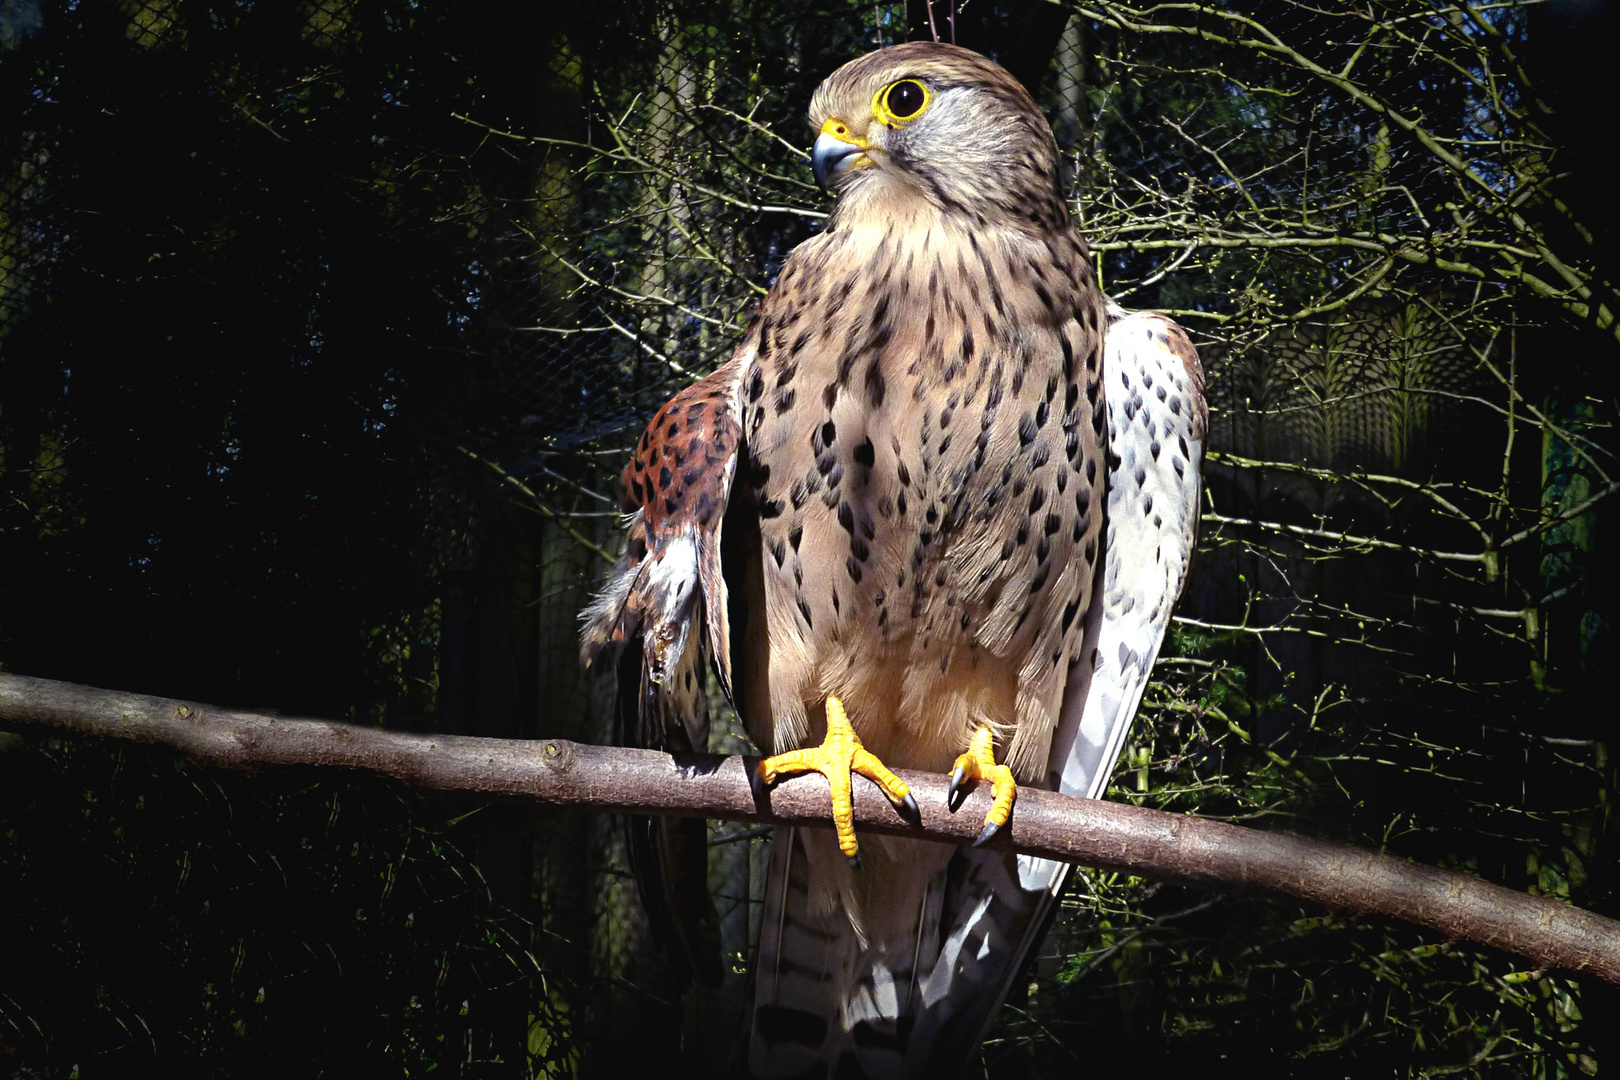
(922, 408)
(911, 458)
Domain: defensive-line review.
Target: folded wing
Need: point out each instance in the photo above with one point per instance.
(668, 584)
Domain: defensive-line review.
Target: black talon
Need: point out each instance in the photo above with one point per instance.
(990, 829)
(956, 794)
(855, 862)
(910, 810)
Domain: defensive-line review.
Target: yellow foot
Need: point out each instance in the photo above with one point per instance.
(838, 758)
(979, 763)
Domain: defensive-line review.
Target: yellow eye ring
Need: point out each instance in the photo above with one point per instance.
(901, 102)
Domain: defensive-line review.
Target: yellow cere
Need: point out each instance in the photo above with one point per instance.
(840, 131)
(899, 103)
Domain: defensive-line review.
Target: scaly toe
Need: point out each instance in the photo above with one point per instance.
(979, 763)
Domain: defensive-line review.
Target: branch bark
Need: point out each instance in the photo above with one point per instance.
(1100, 834)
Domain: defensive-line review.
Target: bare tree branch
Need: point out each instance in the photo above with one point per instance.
(1111, 835)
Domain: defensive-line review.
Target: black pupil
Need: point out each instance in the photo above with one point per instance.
(905, 99)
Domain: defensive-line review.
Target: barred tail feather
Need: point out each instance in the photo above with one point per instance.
(844, 956)
(911, 999)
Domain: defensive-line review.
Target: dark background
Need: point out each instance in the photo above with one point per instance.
(307, 404)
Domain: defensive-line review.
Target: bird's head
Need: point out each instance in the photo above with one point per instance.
(941, 123)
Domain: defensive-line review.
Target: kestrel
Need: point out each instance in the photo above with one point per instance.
(933, 514)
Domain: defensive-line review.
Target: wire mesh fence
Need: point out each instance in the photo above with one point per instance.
(333, 325)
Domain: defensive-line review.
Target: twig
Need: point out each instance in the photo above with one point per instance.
(540, 506)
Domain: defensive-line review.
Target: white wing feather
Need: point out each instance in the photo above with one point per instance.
(1154, 390)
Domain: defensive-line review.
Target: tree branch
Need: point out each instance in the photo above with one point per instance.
(1102, 834)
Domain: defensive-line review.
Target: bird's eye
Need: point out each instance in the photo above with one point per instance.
(905, 99)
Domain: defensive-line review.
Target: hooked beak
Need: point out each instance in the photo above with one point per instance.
(837, 148)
